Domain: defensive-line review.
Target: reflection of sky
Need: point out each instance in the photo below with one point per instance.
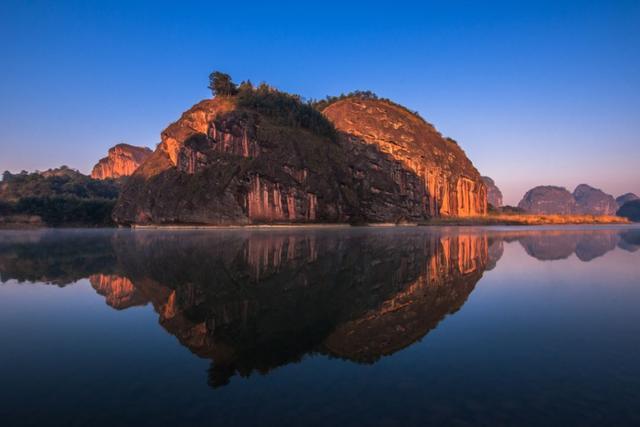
(534, 337)
(539, 93)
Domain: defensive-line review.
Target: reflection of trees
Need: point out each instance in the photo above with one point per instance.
(253, 301)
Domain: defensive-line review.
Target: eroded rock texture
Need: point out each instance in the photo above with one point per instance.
(222, 165)
(122, 160)
(494, 195)
(453, 185)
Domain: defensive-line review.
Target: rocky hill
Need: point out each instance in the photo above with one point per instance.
(593, 201)
(122, 160)
(263, 156)
(453, 185)
(630, 210)
(627, 197)
(494, 195)
(585, 200)
(548, 199)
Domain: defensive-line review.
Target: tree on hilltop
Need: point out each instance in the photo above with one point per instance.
(220, 84)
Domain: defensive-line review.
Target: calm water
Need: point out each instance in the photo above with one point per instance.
(409, 326)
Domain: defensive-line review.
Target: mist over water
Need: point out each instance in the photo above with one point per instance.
(360, 326)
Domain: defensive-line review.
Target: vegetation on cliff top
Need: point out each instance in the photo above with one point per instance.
(282, 108)
(58, 196)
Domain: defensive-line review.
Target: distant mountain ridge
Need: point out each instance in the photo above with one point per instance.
(585, 200)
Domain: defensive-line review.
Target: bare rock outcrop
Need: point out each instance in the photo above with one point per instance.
(593, 201)
(224, 162)
(494, 195)
(552, 200)
(453, 185)
(122, 160)
(548, 199)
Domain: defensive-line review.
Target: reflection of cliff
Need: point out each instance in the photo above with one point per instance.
(253, 301)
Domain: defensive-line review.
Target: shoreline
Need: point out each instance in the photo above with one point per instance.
(490, 220)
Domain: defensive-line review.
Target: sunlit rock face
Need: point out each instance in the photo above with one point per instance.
(593, 201)
(219, 164)
(494, 195)
(122, 160)
(453, 185)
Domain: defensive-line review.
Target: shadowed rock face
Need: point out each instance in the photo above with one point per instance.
(494, 195)
(220, 164)
(621, 200)
(548, 200)
(122, 160)
(452, 183)
(593, 201)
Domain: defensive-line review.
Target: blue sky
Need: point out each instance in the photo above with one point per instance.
(535, 92)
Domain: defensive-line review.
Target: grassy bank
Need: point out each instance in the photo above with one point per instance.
(528, 219)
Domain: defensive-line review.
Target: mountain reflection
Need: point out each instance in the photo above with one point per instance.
(253, 301)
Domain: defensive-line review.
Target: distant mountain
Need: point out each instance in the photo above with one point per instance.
(621, 200)
(122, 160)
(593, 201)
(494, 195)
(585, 200)
(548, 199)
(630, 210)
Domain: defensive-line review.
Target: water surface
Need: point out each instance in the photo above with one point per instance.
(396, 326)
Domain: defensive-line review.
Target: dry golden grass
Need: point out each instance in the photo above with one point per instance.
(529, 219)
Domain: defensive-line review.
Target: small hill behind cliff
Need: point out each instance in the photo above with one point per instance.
(122, 160)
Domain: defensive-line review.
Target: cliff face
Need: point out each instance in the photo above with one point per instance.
(494, 195)
(585, 200)
(122, 160)
(220, 164)
(453, 185)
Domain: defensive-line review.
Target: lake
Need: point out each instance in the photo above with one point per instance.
(321, 327)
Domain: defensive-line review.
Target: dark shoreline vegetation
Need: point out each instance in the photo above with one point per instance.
(57, 197)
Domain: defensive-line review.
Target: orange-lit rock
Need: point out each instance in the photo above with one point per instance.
(222, 164)
(118, 291)
(122, 160)
(454, 186)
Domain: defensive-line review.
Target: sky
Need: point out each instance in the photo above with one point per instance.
(536, 92)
